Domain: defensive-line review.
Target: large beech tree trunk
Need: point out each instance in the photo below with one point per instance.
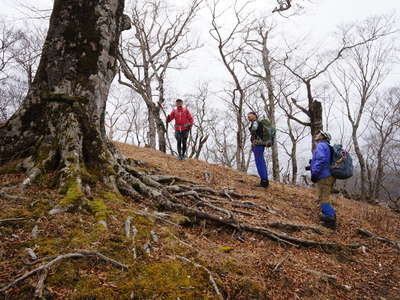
(60, 125)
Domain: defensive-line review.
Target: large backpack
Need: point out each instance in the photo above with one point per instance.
(269, 132)
(341, 163)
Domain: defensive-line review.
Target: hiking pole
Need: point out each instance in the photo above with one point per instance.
(166, 132)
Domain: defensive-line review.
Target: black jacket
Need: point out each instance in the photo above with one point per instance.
(256, 130)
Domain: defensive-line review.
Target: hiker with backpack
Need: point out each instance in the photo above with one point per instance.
(183, 124)
(262, 135)
(320, 167)
(328, 163)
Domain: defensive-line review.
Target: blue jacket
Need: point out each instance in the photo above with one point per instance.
(321, 160)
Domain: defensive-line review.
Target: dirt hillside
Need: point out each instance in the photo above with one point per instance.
(198, 259)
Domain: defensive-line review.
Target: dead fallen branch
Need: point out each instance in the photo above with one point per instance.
(210, 277)
(12, 220)
(293, 227)
(79, 254)
(40, 284)
(322, 275)
(281, 262)
(374, 236)
(7, 196)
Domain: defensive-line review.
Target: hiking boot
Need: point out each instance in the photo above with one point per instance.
(179, 157)
(328, 221)
(263, 183)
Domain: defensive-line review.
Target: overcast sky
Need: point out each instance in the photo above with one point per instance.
(319, 19)
(317, 22)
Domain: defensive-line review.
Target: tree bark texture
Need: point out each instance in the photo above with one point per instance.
(271, 104)
(315, 108)
(60, 125)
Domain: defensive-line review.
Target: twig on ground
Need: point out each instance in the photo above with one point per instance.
(322, 275)
(40, 284)
(382, 239)
(210, 277)
(281, 262)
(78, 254)
(293, 227)
(7, 196)
(12, 220)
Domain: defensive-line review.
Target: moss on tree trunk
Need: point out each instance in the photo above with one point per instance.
(60, 125)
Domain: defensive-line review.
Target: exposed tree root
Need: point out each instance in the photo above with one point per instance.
(189, 199)
(7, 196)
(79, 254)
(10, 220)
(374, 236)
(156, 215)
(170, 179)
(293, 227)
(232, 222)
(40, 284)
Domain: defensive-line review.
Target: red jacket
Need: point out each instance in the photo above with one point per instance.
(183, 118)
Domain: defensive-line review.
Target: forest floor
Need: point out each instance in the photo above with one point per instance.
(166, 261)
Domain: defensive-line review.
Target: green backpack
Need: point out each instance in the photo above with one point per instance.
(269, 132)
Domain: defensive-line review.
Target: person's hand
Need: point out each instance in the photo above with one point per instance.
(314, 179)
(188, 126)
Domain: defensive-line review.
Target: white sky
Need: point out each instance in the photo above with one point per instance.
(319, 20)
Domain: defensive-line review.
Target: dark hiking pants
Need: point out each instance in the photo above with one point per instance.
(181, 139)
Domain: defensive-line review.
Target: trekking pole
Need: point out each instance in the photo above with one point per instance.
(166, 132)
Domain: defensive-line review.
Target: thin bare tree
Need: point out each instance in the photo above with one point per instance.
(309, 70)
(28, 51)
(203, 118)
(295, 132)
(258, 64)
(359, 74)
(384, 120)
(229, 52)
(160, 38)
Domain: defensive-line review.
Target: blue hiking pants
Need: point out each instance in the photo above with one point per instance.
(260, 162)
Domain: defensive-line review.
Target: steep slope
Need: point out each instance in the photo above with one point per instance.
(166, 261)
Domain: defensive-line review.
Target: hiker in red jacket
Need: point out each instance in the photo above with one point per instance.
(183, 124)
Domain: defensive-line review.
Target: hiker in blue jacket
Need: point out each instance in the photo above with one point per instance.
(256, 133)
(321, 175)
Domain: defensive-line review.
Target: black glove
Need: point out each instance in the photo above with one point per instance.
(188, 126)
(308, 168)
(314, 178)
